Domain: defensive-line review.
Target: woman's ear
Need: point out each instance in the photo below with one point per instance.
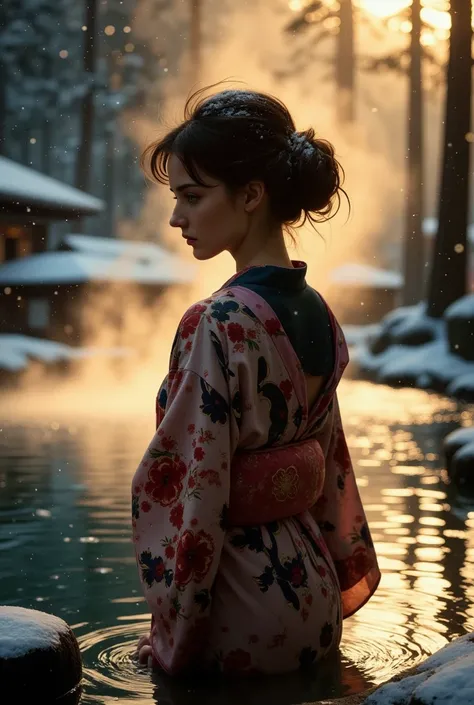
(253, 193)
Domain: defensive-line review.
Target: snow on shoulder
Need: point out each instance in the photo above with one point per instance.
(23, 630)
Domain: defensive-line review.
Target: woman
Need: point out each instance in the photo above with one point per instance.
(250, 536)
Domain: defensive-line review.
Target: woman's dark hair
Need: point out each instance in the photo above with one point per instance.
(237, 136)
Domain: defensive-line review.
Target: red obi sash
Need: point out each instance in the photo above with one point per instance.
(275, 483)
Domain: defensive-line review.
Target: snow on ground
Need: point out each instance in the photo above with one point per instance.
(23, 630)
(16, 351)
(29, 187)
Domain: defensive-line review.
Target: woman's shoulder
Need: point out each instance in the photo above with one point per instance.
(211, 315)
(220, 307)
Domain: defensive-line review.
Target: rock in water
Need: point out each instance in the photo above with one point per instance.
(454, 441)
(40, 660)
(462, 468)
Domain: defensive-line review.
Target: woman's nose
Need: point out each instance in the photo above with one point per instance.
(177, 220)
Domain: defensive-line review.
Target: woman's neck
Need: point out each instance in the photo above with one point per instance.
(272, 251)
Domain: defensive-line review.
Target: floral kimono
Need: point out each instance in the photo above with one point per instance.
(250, 536)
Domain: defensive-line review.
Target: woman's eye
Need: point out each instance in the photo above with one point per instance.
(192, 198)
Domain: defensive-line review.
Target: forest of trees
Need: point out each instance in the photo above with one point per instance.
(448, 268)
(72, 71)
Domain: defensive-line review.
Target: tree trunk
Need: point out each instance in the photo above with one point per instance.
(195, 41)
(3, 110)
(413, 266)
(345, 64)
(86, 130)
(448, 277)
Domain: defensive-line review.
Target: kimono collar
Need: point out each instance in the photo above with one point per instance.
(269, 275)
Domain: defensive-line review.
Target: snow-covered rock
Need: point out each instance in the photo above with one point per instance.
(452, 684)
(459, 319)
(407, 326)
(462, 468)
(446, 678)
(39, 657)
(397, 692)
(454, 441)
(462, 387)
(429, 366)
(411, 349)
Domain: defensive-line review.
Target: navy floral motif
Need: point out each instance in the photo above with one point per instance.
(163, 398)
(154, 569)
(221, 309)
(213, 404)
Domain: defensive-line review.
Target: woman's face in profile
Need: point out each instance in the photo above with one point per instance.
(209, 217)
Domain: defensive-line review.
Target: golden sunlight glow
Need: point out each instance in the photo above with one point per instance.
(435, 13)
(383, 8)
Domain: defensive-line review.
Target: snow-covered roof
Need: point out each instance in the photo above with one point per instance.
(430, 227)
(100, 260)
(113, 247)
(17, 350)
(22, 188)
(365, 275)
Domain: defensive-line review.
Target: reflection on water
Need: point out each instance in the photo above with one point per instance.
(65, 547)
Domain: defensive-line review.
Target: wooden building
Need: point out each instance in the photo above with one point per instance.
(49, 294)
(29, 202)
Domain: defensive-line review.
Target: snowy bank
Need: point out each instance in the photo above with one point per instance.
(17, 351)
(410, 349)
(443, 679)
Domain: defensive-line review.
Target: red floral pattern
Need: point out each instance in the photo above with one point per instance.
(273, 326)
(236, 332)
(194, 555)
(165, 480)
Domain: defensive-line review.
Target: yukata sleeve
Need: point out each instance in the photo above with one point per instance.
(341, 518)
(181, 494)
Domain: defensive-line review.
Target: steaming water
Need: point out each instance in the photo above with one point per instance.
(65, 547)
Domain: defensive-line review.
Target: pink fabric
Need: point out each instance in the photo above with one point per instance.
(266, 597)
(270, 485)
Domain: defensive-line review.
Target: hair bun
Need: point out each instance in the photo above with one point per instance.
(316, 173)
